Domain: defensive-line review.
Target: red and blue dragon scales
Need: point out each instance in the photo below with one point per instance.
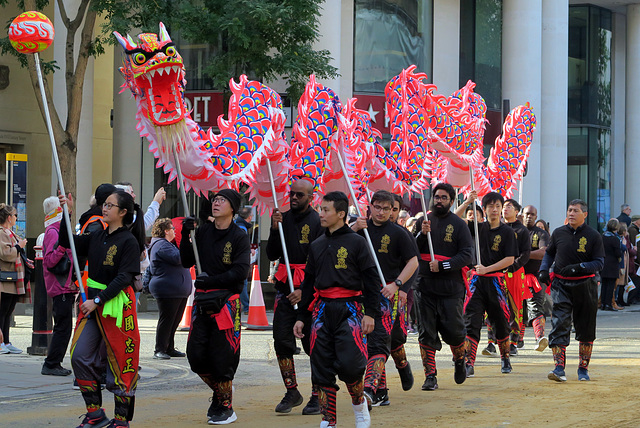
(433, 138)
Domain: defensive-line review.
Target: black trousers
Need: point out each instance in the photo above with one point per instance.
(211, 351)
(7, 306)
(284, 317)
(170, 311)
(485, 298)
(535, 305)
(577, 300)
(606, 290)
(62, 327)
(399, 330)
(439, 315)
(338, 346)
(379, 340)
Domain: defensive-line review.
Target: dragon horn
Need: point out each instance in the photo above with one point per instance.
(164, 35)
(128, 43)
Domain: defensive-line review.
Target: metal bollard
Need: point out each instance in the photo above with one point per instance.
(42, 308)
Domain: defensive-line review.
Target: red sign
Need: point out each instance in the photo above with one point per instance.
(205, 107)
(376, 107)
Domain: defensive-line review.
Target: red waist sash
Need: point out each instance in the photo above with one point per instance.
(427, 257)
(297, 272)
(333, 293)
(553, 275)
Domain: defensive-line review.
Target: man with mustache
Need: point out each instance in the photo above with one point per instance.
(441, 289)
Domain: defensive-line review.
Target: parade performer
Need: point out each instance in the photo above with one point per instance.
(109, 315)
(342, 274)
(213, 347)
(397, 255)
(498, 250)
(441, 290)
(578, 254)
(301, 225)
(535, 304)
(399, 329)
(514, 276)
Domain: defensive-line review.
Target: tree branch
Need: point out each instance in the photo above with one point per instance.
(77, 82)
(63, 13)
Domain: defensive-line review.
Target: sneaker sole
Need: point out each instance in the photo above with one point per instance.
(553, 376)
(369, 399)
(227, 421)
(542, 345)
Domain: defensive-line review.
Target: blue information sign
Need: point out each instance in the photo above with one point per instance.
(17, 189)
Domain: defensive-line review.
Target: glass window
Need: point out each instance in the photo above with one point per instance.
(481, 48)
(390, 35)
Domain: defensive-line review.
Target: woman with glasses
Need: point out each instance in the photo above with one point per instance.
(170, 285)
(10, 247)
(109, 314)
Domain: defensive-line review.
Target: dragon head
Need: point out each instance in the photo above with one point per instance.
(154, 72)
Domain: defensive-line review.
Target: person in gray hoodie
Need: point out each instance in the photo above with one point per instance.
(170, 285)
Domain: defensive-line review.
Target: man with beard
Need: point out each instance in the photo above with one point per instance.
(578, 253)
(535, 304)
(342, 277)
(441, 290)
(301, 226)
(397, 255)
(498, 250)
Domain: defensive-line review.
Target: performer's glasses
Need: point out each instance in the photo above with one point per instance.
(219, 201)
(379, 208)
(109, 205)
(441, 198)
(298, 195)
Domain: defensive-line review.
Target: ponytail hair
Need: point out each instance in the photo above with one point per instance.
(5, 211)
(136, 227)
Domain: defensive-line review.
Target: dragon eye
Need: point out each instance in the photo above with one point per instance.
(170, 51)
(139, 58)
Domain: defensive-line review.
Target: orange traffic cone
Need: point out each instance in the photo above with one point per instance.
(257, 311)
(185, 323)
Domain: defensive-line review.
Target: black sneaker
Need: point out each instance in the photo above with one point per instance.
(312, 407)
(521, 343)
(95, 419)
(431, 383)
(290, 400)
(161, 356)
(490, 350)
(513, 350)
(470, 371)
(176, 353)
(381, 398)
(213, 406)
(369, 397)
(406, 377)
(222, 416)
(460, 372)
(56, 371)
(506, 366)
(115, 423)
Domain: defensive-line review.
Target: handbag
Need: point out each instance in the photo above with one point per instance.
(27, 264)
(8, 276)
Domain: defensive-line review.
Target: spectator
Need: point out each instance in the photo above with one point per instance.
(611, 269)
(625, 210)
(542, 225)
(60, 287)
(629, 253)
(170, 285)
(10, 248)
(403, 216)
(153, 211)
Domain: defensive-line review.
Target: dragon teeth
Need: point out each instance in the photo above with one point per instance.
(152, 73)
(175, 69)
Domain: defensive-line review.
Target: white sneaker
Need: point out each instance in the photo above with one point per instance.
(12, 349)
(541, 344)
(4, 349)
(325, 424)
(363, 419)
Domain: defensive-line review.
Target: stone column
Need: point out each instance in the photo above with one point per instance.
(632, 108)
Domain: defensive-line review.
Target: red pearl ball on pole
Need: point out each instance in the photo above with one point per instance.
(31, 32)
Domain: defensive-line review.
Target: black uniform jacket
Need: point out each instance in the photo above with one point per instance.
(570, 246)
(300, 230)
(341, 259)
(451, 239)
(524, 245)
(393, 247)
(495, 244)
(539, 239)
(224, 255)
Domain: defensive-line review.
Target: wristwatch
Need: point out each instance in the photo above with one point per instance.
(398, 283)
(97, 301)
